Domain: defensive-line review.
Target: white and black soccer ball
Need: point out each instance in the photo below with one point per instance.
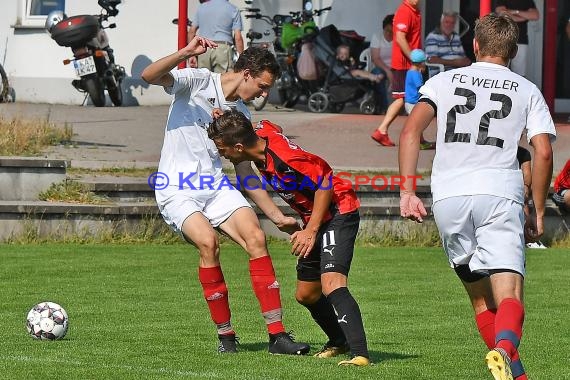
(47, 321)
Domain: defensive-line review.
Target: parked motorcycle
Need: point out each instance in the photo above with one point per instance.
(296, 29)
(93, 58)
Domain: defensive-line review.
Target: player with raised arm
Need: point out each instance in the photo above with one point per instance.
(195, 208)
(325, 246)
(477, 186)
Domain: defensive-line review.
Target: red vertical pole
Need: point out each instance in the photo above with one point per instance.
(549, 54)
(182, 27)
(484, 7)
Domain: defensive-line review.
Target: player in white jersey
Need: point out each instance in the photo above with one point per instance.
(194, 196)
(477, 186)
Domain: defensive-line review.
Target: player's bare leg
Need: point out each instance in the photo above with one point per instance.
(243, 227)
(199, 231)
(483, 303)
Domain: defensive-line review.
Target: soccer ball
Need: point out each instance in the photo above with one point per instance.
(47, 321)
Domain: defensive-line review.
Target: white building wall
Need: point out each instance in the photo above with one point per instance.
(145, 33)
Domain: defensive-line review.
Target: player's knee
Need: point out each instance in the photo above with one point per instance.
(209, 246)
(331, 281)
(255, 241)
(306, 298)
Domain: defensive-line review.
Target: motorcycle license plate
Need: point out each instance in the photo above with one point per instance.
(84, 66)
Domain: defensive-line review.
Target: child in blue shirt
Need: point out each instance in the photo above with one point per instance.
(415, 80)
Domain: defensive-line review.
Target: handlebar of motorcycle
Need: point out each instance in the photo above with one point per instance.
(319, 11)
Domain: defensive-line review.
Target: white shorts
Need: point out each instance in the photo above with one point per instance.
(484, 231)
(215, 205)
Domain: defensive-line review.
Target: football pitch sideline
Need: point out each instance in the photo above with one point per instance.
(137, 312)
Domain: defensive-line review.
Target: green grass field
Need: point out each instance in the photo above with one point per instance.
(136, 312)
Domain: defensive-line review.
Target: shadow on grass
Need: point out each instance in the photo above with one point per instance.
(254, 347)
(381, 356)
(375, 356)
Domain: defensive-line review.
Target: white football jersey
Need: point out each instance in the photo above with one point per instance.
(482, 110)
(188, 155)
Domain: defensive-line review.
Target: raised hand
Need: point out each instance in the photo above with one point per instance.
(198, 46)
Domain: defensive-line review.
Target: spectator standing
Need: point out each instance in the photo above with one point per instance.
(522, 11)
(408, 27)
(219, 21)
(381, 55)
(443, 45)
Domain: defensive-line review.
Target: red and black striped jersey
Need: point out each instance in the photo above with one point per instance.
(296, 175)
(562, 181)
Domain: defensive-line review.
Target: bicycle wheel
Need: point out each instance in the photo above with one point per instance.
(4, 87)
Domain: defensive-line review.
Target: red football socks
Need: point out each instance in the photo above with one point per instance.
(486, 326)
(216, 295)
(266, 289)
(508, 329)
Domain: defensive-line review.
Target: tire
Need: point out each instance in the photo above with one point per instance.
(368, 106)
(94, 87)
(4, 86)
(259, 102)
(289, 97)
(318, 102)
(116, 94)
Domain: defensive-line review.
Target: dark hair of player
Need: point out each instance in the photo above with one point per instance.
(257, 60)
(232, 128)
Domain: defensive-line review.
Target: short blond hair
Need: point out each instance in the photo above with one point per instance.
(497, 36)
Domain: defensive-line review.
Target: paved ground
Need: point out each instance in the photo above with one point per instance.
(132, 136)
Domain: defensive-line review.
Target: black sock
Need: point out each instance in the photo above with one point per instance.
(350, 320)
(323, 313)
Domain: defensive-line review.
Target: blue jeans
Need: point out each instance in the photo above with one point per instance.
(381, 89)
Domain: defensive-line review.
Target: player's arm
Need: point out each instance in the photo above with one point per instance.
(541, 177)
(255, 191)
(421, 116)
(303, 241)
(159, 72)
(404, 46)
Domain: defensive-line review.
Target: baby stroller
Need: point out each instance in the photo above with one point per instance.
(339, 86)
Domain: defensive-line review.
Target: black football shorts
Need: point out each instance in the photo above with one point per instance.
(333, 249)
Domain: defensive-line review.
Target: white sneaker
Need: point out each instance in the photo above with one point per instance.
(536, 245)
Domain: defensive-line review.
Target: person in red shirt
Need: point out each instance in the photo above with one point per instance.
(561, 196)
(329, 209)
(407, 37)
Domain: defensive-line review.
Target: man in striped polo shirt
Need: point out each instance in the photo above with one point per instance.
(443, 45)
